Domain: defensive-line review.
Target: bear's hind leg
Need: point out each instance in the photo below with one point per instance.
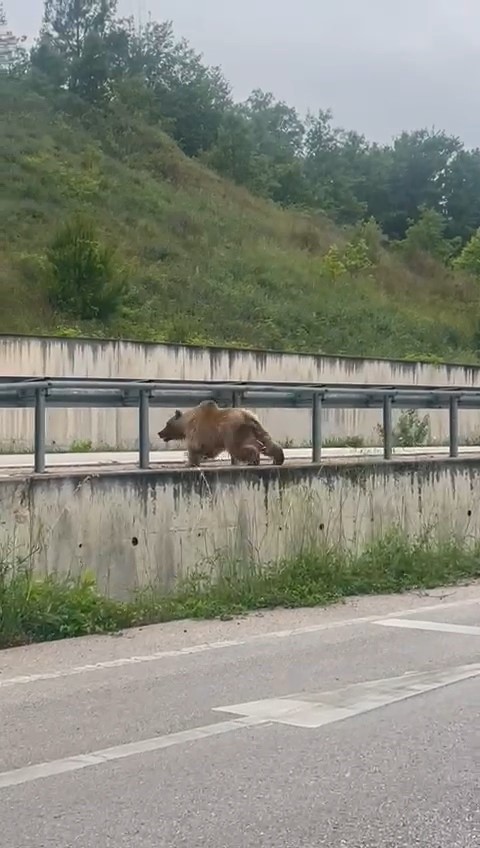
(246, 454)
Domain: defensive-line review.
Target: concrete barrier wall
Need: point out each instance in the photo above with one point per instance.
(140, 528)
(24, 356)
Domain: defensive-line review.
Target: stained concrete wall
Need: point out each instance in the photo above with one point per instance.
(25, 356)
(140, 528)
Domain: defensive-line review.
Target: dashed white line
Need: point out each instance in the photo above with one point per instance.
(221, 645)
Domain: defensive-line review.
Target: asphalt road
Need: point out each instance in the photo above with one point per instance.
(15, 464)
(354, 726)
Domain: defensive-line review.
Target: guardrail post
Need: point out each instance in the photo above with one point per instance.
(143, 430)
(316, 427)
(236, 402)
(453, 426)
(39, 433)
(387, 427)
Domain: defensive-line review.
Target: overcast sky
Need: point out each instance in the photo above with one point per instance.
(380, 65)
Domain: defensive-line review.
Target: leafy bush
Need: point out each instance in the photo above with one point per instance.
(332, 263)
(469, 258)
(34, 609)
(356, 256)
(427, 235)
(370, 233)
(410, 431)
(85, 281)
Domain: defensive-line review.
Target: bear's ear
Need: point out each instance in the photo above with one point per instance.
(178, 414)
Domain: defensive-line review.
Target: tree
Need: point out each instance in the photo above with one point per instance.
(233, 152)
(276, 128)
(469, 258)
(427, 235)
(84, 279)
(70, 23)
(414, 173)
(462, 194)
(333, 160)
(73, 50)
(191, 97)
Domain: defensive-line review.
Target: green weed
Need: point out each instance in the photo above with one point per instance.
(37, 608)
(81, 446)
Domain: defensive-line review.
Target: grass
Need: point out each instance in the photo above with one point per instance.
(42, 609)
(206, 261)
(345, 442)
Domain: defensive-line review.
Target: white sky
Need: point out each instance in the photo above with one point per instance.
(381, 65)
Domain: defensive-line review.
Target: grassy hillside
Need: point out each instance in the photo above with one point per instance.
(206, 262)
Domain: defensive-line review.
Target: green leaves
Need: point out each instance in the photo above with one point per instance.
(85, 282)
(469, 258)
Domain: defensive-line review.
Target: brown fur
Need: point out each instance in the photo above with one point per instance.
(208, 430)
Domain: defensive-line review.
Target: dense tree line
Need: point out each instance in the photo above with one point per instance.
(424, 178)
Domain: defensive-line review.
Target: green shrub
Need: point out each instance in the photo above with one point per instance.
(469, 258)
(356, 256)
(84, 279)
(427, 235)
(410, 431)
(370, 233)
(81, 446)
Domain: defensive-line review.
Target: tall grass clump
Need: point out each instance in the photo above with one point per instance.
(34, 609)
(38, 609)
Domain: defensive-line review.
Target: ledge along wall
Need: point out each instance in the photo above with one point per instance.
(28, 356)
(142, 528)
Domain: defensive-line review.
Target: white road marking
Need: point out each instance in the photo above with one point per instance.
(212, 646)
(441, 626)
(120, 752)
(317, 709)
(307, 711)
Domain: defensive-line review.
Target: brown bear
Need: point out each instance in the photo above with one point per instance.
(208, 430)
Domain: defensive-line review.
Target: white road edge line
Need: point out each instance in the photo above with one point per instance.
(16, 777)
(233, 643)
(440, 626)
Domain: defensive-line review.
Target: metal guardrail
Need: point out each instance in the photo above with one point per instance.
(42, 394)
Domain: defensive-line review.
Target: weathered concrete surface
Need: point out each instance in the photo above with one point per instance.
(140, 527)
(29, 356)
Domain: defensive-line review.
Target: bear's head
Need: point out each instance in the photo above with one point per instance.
(174, 429)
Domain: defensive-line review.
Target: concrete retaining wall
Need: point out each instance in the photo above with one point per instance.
(24, 356)
(138, 528)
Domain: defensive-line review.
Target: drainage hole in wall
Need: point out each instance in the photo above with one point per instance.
(469, 512)
(134, 541)
(321, 526)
